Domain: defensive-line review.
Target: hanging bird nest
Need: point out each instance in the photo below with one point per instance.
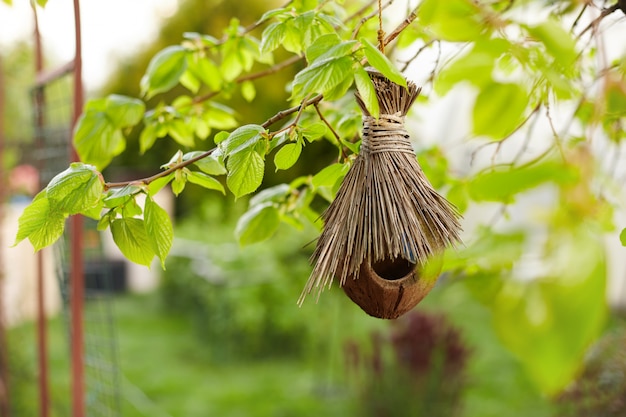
(386, 221)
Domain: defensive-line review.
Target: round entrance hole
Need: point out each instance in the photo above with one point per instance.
(393, 269)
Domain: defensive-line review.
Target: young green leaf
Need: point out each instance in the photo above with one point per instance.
(502, 185)
(157, 185)
(76, 189)
(212, 164)
(288, 155)
(452, 20)
(558, 41)
(330, 175)
(499, 109)
(257, 224)
(622, 237)
(123, 111)
(119, 196)
(181, 132)
(98, 136)
(324, 44)
(164, 71)
(206, 181)
(180, 180)
(379, 61)
(245, 172)
(248, 91)
(129, 234)
(273, 36)
(329, 70)
(40, 223)
(242, 139)
(367, 92)
(314, 131)
(159, 229)
(271, 194)
(147, 138)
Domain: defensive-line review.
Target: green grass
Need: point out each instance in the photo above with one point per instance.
(167, 371)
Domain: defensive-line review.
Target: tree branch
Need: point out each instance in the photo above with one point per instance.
(148, 180)
(269, 122)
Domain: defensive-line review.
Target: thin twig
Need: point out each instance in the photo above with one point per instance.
(580, 15)
(161, 174)
(557, 138)
(287, 112)
(334, 132)
(598, 19)
(398, 30)
(365, 19)
(249, 77)
(414, 57)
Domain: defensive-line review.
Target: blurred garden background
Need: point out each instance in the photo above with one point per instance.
(218, 332)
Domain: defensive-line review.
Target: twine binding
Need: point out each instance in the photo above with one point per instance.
(385, 209)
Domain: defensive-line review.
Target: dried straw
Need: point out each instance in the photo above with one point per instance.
(386, 208)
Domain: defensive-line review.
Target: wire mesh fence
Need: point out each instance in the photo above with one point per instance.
(50, 153)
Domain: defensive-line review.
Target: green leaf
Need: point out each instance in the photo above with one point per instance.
(257, 224)
(502, 185)
(190, 82)
(248, 91)
(243, 138)
(314, 131)
(40, 223)
(212, 164)
(476, 66)
(98, 133)
(367, 92)
(499, 109)
(328, 71)
(622, 237)
(245, 172)
(288, 155)
(271, 194)
(164, 71)
(130, 236)
(325, 43)
(76, 189)
(157, 185)
(558, 41)
(178, 185)
(272, 37)
(147, 138)
(120, 196)
(123, 111)
(379, 61)
(219, 116)
(159, 229)
(181, 132)
(452, 20)
(204, 70)
(550, 323)
(206, 181)
(330, 175)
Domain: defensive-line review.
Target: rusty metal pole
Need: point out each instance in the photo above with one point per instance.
(5, 405)
(42, 337)
(77, 273)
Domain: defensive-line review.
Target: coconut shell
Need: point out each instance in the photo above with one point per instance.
(390, 288)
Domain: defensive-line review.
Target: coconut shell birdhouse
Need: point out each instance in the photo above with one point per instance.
(386, 229)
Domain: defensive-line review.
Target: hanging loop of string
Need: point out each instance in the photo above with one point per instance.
(381, 32)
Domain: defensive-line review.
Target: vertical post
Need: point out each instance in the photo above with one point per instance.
(42, 338)
(5, 406)
(77, 275)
